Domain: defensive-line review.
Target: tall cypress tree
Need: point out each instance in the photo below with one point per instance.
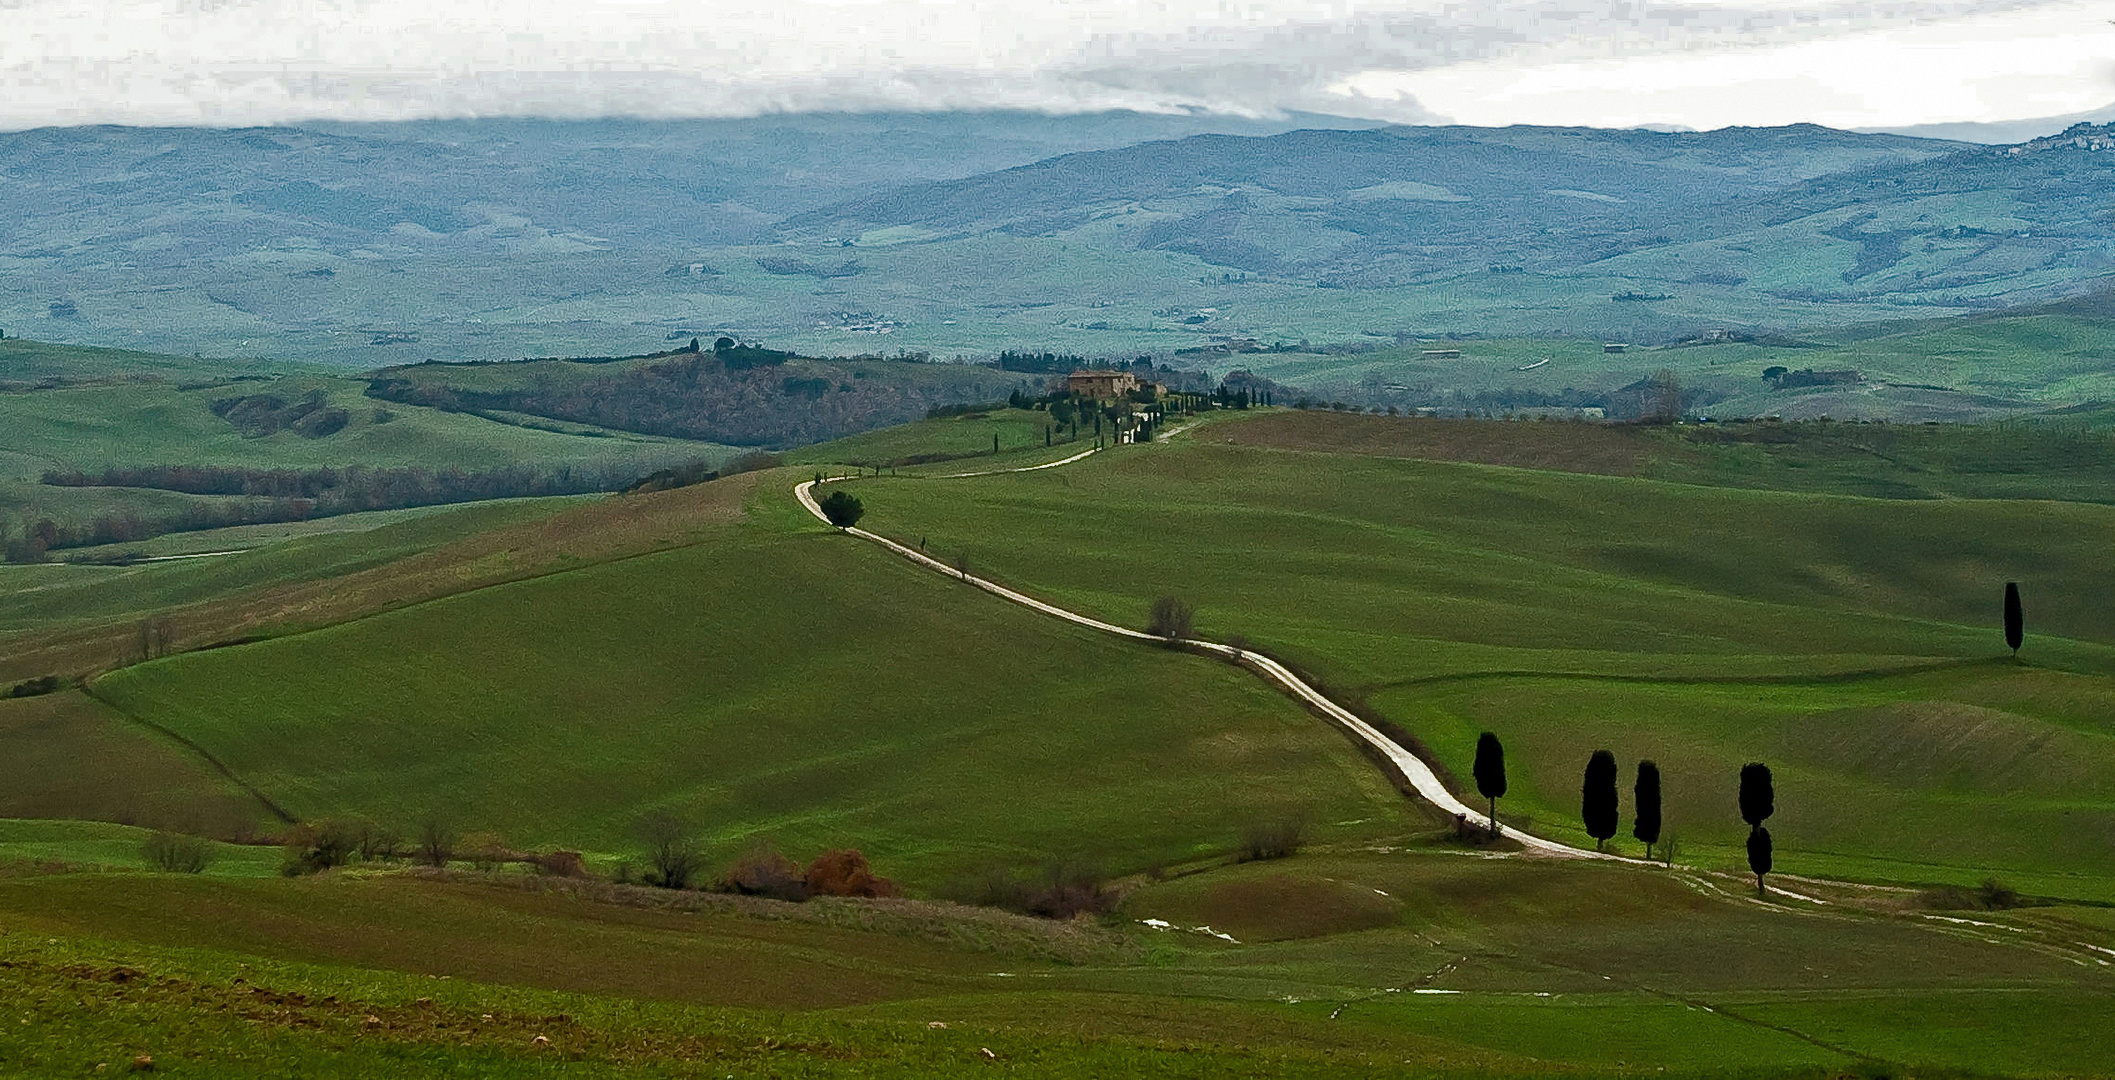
(2015, 619)
(1759, 855)
(1597, 798)
(1645, 803)
(1758, 799)
(1490, 773)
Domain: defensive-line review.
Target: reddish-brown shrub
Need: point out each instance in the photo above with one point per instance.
(561, 864)
(845, 873)
(765, 872)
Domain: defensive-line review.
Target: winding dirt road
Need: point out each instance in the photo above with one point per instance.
(1420, 775)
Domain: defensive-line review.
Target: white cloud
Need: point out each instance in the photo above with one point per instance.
(2050, 61)
(1483, 61)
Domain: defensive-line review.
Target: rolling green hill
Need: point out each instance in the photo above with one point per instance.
(714, 652)
(1700, 626)
(860, 703)
(1944, 370)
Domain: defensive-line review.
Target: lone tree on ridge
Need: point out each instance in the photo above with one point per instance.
(1490, 773)
(2015, 619)
(1645, 803)
(1759, 855)
(1597, 798)
(842, 508)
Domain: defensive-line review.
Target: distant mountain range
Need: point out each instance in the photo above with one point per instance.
(375, 244)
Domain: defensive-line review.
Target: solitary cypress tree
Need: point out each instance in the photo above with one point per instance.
(1645, 801)
(2015, 620)
(1597, 798)
(1759, 855)
(1758, 800)
(1490, 773)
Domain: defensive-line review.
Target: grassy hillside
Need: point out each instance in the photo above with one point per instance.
(1472, 968)
(2058, 456)
(1852, 642)
(174, 445)
(714, 652)
(772, 680)
(946, 438)
(1944, 370)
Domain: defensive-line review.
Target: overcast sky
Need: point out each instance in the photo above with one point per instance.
(1701, 63)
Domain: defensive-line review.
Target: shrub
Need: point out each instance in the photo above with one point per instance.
(1070, 890)
(315, 846)
(436, 843)
(845, 873)
(567, 864)
(376, 843)
(37, 687)
(175, 853)
(1171, 619)
(1274, 838)
(765, 872)
(1061, 891)
(486, 851)
(672, 857)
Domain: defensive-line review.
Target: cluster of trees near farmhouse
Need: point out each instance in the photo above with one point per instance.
(1600, 807)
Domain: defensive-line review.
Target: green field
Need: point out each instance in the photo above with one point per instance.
(1946, 370)
(714, 652)
(865, 704)
(945, 439)
(1851, 641)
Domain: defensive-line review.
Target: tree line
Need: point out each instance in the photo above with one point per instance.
(1600, 808)
(278, 496)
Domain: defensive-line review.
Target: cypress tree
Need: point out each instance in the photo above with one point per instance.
(1490, 773)
(1758, 800)
(1759, 855)
(1597, 798)
(1645, 801)
(2015, 619)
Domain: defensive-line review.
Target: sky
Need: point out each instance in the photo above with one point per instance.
(1610, 63)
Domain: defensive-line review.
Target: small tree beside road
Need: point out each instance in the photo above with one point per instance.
(1758, 800)
(1171, 620)
(1759, 855)
(1645, 804)
(1597, 798)
(842, 508)
(1490, 773)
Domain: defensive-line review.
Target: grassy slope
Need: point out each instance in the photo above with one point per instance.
(2055, 458)
(774, 680)
(1540, 970)
(964, 436)
(1630, 959)
(71, 757)
(1983, 366)
(1431, 590)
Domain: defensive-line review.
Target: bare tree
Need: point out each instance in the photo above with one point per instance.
(670, 850)
(1171, 620)
(436, 842)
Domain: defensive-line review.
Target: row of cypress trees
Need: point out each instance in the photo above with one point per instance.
(1598, 804)
(1600, 809)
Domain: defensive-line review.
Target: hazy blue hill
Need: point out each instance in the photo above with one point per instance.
(964, 234)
